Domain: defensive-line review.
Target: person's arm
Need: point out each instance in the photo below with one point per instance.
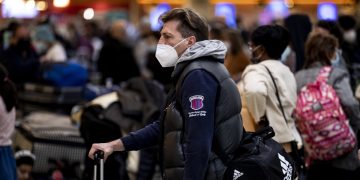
(255, 92)
(142, 138)
(198, 107)
(349, 103)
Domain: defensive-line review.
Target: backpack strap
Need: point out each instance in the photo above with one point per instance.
(277, 94)
(293, 143)
(324, 74)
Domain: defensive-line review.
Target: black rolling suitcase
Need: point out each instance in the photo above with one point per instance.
(54, 141)
(99, 165)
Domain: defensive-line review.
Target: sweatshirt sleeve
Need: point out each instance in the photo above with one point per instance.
(347, 99)
(198, 99)
(142, 138)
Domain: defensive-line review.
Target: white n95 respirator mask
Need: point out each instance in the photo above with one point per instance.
(167, 55)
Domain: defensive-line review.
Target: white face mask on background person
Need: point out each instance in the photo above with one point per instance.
(336, 60)
(167, 55)
(40, 47)
(350, 36)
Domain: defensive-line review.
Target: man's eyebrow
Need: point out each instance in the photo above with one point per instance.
(166, 34)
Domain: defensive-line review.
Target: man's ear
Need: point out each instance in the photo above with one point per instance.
(191, 41)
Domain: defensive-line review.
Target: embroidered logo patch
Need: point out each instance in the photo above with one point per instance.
(196, 102)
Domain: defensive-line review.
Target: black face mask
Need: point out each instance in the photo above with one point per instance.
(24, 43)
(254, 60)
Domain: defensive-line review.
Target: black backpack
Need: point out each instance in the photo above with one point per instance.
(259, 157)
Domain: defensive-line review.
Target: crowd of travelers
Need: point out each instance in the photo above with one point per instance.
(272, 66)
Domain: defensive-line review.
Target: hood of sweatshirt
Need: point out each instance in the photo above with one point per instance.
(213, 48)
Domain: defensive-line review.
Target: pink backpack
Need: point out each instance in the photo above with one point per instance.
(321, 120)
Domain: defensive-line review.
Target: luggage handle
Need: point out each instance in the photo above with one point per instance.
(99, 159)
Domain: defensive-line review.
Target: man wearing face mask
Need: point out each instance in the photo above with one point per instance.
(259, 92)
(202, 115)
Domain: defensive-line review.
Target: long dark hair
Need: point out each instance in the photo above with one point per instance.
(320, 48)
(7, 89)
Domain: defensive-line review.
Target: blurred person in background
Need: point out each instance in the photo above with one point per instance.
(116, 59)
(8, 101)
(61, 35)
(288, 57)
(47, 47)
(217, 29)
(241, 27)
(333, 28)
(92, 34)
(88, 46)
(236, 59)
(348, 26)
(24, 164)
(319, 51)
(88, 50)
(69, 36)
(20, 58)
(159, 73)
(299, 26)
(145, 50)
(350, 47)
(146, 44)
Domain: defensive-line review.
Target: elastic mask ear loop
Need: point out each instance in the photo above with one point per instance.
(254, 49)
(179, 43)
(256, 59)
(259, 56)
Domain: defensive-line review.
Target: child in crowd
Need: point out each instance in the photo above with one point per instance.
(24, 163)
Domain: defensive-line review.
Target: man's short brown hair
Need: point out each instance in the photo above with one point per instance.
(191, 23)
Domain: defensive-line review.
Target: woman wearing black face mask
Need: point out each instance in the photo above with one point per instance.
(259, 93)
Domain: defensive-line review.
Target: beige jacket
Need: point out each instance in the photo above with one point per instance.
(257, 89)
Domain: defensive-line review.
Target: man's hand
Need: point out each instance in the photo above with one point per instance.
(108, 148)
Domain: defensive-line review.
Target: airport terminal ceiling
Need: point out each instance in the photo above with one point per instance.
(135, 9)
